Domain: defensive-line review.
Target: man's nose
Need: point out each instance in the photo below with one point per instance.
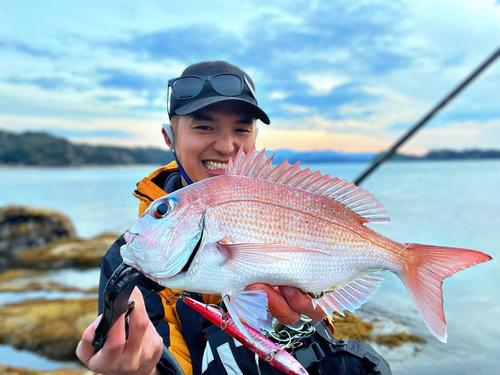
(225, 144)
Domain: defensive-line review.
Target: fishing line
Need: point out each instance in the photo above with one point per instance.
(257, 364)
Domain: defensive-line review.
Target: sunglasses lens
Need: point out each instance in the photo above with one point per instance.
(227, 84)
(185, 88)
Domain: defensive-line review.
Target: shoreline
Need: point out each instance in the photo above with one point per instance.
(83, 166)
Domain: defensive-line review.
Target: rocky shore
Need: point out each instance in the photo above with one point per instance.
(24, 227)
(39, 247)
(7, 370)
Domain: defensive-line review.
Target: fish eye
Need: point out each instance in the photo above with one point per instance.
(161, 210)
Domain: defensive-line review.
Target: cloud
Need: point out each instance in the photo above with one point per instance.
(400, 126)
(116, 131)
(298, 109)
(116, 78)
(27, 49)
(75, 133)
(185, 43)
(328, 105)
(322, 83)
(46, 83)
(278, 95)
(353, 69)
(317, 139)
(460, 135)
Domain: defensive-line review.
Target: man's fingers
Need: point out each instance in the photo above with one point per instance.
(85, 350)
(138, 322)
(301, 302)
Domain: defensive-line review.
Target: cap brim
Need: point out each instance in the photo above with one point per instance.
(204, 102)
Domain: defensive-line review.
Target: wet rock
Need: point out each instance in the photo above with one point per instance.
(29, 280)
(398, 339)
(49, 328)
(7, 370)
(353, 327)
(24, 227)
(80, 253)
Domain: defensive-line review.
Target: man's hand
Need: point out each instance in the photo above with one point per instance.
(287, 303)
(138, 355)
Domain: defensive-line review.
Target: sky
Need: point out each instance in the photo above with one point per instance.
(344, 75)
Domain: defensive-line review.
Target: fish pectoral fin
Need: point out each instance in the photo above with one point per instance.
(351, 294)
(249, 305)
(257, 253)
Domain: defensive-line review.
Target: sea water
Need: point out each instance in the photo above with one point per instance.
(452, 203)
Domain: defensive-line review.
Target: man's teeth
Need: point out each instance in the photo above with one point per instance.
(215, 166)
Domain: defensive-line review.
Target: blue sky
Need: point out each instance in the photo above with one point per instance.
(343, 75)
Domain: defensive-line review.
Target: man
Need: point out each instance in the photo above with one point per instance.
(213, 112)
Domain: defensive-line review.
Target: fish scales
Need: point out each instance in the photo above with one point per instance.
(238, 211)
(290, 221)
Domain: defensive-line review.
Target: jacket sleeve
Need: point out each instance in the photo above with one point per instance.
(162, 315)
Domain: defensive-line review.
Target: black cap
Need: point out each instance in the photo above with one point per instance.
(209, 96)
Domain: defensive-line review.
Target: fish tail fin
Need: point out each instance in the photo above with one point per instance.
(423, 277)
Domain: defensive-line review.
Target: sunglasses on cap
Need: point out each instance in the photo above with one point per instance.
(226, 84)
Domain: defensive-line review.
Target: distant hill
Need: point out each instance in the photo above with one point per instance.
(43, 149)
(320, 156)
(328, 156)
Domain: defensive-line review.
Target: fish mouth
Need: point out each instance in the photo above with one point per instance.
(129, 236)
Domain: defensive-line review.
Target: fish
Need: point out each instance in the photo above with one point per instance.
(266, 349)
(284, 225)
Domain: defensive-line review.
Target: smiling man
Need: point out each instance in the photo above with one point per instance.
(207, 139)
(213, 112)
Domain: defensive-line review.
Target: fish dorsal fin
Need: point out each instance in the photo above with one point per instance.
(255, 164)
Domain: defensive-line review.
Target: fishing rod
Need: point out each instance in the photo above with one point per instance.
(384, 157)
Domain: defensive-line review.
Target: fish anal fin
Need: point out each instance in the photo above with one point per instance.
(351, 294)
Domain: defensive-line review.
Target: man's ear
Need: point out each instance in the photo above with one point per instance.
(168, 135)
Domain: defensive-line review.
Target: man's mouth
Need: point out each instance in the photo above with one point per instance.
(214, 166)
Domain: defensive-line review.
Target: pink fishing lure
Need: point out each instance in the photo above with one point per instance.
(258, 344)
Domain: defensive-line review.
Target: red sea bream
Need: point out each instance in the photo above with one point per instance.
(282, 225)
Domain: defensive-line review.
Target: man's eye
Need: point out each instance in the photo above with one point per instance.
(201, 127)
(242, 130)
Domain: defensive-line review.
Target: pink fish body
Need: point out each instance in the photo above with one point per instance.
(284, 226)
(259, 344)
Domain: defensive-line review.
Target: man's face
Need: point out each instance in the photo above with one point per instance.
(206, 139)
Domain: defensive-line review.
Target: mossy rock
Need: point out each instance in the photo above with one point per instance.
(50, 328)
(8, 370)
(81, 253)
(353, 328)
(28, 280)
(24, 227)
(398, 339)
